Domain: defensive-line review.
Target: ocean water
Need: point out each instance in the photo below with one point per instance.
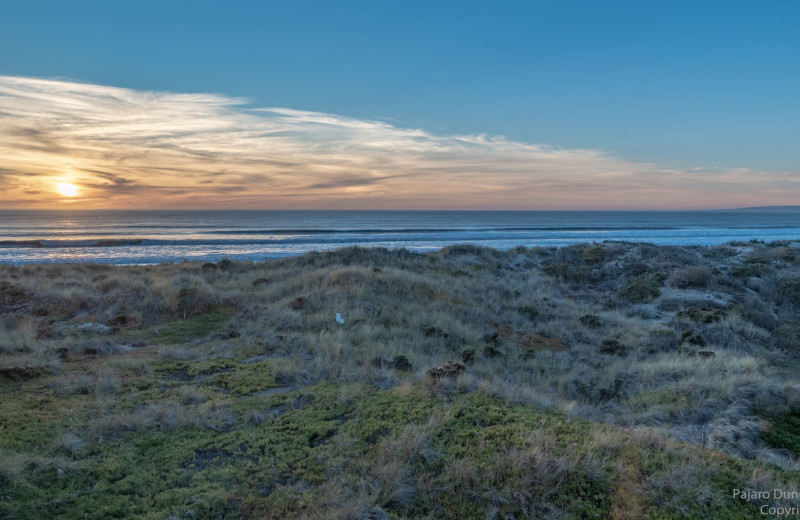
(140, 237)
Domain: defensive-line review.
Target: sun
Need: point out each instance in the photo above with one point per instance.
(67, 189)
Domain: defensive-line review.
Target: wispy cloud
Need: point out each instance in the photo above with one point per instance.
(135, 149)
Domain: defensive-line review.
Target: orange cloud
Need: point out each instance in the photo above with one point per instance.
(124, 148)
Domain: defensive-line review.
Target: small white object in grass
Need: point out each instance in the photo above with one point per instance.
(339, 318)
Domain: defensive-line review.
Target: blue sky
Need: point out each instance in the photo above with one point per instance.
(679, 85)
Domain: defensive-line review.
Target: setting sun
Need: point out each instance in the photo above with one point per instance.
(67, 189)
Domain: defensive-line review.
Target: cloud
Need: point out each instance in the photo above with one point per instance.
(135, 149)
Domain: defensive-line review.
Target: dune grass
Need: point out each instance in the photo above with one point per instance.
(609, 380)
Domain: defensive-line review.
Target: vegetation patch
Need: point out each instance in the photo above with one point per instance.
(184, 330)
(20, 372)
(12, 296)
(701, 314)
(643, 288)
(691, 277)
(789, 290)
(531, 343)
(613, 347)
(591, 321)
(752, 270)
(594, 254)
(465, 383)
(246, 379)
(210, 367)
(784, 432)
(787, 337)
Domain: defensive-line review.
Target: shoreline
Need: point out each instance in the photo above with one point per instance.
(259, 257)
(213, 236)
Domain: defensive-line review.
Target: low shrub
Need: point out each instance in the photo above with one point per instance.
(643, 288)
(701, 314)
(193, 296)
(690, 277)
(752, 270)
(612, 347)
(594, 254)
(569, 272)
(12, 296)
(664, 338)
(782, 433)
(789, 291)
(787, 336)
(591, 321)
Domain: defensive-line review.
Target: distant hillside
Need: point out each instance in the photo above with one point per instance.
(767, 208)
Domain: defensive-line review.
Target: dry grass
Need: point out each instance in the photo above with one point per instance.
(694, 343)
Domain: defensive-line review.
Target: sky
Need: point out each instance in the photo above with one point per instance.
(399, 105)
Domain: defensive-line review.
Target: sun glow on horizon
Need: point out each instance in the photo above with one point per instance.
(67, 189)
(208, 151)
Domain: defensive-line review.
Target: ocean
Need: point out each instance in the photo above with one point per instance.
(142, 237)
